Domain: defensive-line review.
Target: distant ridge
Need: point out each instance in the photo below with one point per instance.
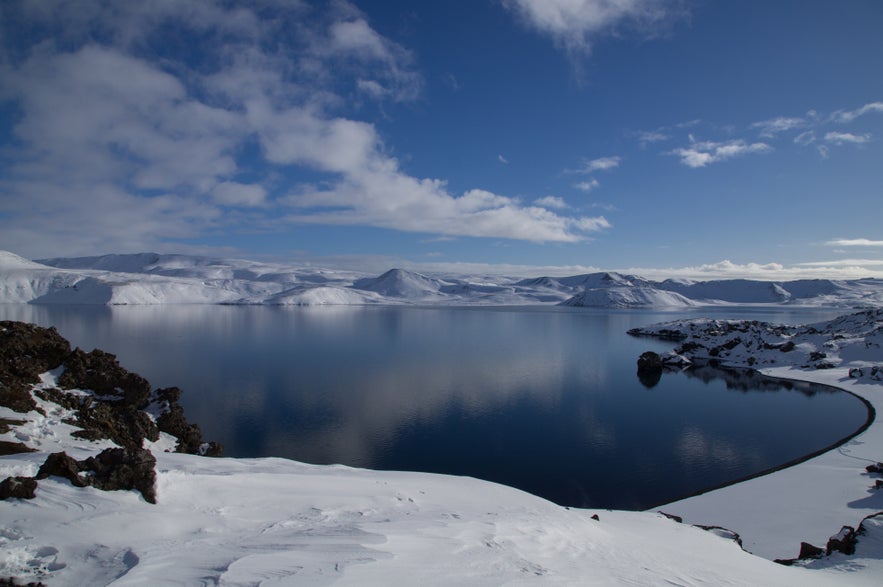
(152, 278)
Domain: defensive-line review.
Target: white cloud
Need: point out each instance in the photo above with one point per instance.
(850, 115)
(574, 25)
(588, 186)
(854, 242)
(726, 269)
(654, 136)
(703, 153)
(600, 164)
(231, 193)
(502, 160)
(770, 128)
(165, 149)
(551, 202)
(805, 138)
(840, 138)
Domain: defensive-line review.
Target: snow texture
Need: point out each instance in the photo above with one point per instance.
(223, 521)
(150, 278)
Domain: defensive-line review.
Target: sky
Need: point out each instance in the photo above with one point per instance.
(702, 138)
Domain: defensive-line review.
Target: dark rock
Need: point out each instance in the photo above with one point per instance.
(26, 351)
(18, 488)
(878, 483)
(60, 464)
(825, 365)
(649, 368)
(124, 425)
(807, 550)
(875, 468)
(124, 468)
(10, 582)
(14, 448)
(817, 356)
(723, 533)
(102, 373)
(172, 421)
(596, 518)
(787, 348)
(677, 519)
(844, 541)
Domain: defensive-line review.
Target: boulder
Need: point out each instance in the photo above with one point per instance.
(18, 487)
(844, 541)
(124, 468)
(60, 464)
(649, 368)
(26, 351)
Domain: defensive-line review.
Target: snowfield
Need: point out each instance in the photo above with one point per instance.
(149, 278)
(223, 521)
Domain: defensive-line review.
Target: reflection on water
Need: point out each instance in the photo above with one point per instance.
(544, 399)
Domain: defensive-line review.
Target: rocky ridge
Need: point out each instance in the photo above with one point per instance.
(103, 400)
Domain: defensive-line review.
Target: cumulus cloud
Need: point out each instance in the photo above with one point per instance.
(840, 138)
(600, 164)
(850, 115)
(703, 153)
(726, 269)
(574, 25)
(587, 186)
(772, 127)
(551, 202)
(122, 145)
(854, 242)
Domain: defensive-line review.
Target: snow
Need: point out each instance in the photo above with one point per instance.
(150, 278)
(273, 521)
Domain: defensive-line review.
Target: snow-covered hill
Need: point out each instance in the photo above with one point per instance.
(150, 278)
(226, 521)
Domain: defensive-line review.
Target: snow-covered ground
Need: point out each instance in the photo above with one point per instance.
(278, 522)
(149, 278)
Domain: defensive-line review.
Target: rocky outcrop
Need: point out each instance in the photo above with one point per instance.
(110, 470)
(25, 352)
(650, 368)
(105, 401)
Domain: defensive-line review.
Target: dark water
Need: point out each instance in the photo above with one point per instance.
(543, 399)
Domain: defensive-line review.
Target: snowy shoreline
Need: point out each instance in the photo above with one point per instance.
(275, 521)
(869, 421)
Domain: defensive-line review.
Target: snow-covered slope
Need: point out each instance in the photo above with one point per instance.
(811, 501)
(269, 521)
(150, 278)
(628, 297)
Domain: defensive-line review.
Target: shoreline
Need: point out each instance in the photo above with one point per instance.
(869, 421)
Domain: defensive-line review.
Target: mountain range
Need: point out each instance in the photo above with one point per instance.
(150, 278)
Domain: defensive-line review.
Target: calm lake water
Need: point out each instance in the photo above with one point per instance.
(544, 399)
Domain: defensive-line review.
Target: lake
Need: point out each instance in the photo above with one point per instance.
(545, 399)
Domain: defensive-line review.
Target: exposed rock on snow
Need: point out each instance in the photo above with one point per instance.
(263, 521)
(800, 502)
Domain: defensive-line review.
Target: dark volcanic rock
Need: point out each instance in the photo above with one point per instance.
(18, 487)
(111, 469)
(808, 550)
(122, 468)
(26, 351)
(14, 448)
(102, 373)
(649, 369)
(172, 421)
(60, 464)
(844, 541)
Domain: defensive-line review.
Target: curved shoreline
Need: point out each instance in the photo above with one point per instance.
(869, 420)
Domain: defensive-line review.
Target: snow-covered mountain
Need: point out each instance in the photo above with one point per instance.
(150, 278)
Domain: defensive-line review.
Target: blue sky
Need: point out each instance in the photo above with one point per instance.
(690, 137)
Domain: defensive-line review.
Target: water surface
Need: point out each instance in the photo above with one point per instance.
(544, 399)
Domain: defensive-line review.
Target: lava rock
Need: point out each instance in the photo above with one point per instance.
(808, 550)
(124, 468)
(844, 541)
(26, 351)
(102, 373)
(650, 368)
(60, 464)
(18, 488)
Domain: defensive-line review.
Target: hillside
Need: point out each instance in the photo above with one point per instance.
(149, 278)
